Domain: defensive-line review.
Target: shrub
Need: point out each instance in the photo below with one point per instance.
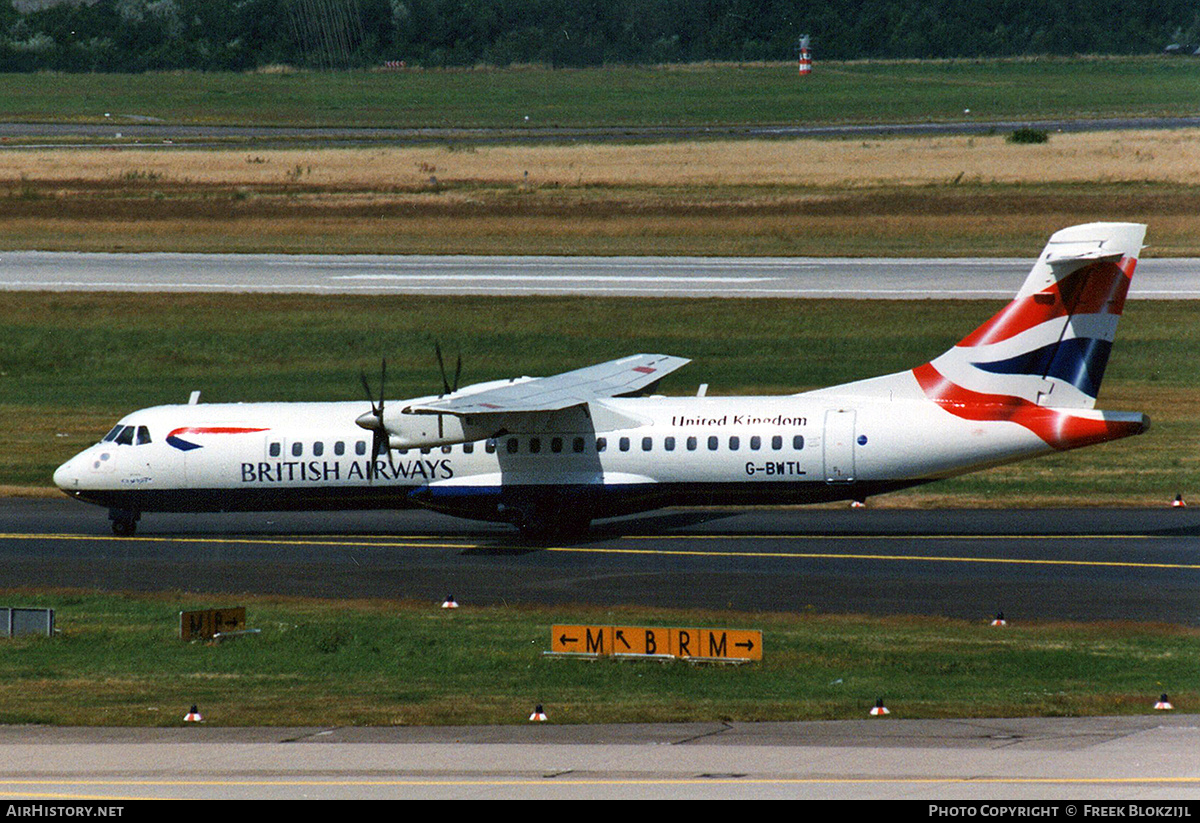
(1028, 136)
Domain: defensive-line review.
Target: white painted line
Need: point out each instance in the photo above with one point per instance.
(549, 278)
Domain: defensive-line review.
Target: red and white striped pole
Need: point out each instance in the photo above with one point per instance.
(805, 57)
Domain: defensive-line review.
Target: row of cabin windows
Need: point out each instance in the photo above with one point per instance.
(557, 445)
(318, 449)
(712, 442)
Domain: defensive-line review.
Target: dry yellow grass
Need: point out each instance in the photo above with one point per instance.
(1134, 156)
(902, 196)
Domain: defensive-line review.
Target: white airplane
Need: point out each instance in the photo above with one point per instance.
(551, 454)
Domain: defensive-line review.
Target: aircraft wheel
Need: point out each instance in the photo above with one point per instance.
(124, 524)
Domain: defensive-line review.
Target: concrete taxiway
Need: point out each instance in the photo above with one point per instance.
(1145, 758)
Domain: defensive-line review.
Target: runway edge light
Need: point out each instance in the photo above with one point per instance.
(999, 621)
(449, 602)
(539, 714)
(193, 716)
(1163, 704)
(1178, 503)
(879, 710)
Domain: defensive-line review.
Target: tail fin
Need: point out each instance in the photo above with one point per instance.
(1049, 346)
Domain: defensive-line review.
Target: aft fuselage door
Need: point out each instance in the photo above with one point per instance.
(839, 446)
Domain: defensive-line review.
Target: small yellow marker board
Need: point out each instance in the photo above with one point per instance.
(207, 623)
(652, 641)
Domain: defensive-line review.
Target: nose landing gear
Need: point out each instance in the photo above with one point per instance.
(124, 523)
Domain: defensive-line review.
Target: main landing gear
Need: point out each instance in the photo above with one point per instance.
(124, 523)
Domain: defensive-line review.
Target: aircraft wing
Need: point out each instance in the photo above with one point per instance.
(616, 378)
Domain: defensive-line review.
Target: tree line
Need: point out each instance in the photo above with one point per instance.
(239, 35)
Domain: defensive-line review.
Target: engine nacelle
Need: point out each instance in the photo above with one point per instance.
(415, 431)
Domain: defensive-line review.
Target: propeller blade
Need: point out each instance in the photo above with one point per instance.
(437, 349)
(457, 371)
(367, 388)
(379, 434)
(382, 380)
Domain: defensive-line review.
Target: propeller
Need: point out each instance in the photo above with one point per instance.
(446, 387)
(373, 421)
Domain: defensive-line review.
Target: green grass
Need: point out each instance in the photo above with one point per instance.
(117, 660)
(858, 92)
(71, 364)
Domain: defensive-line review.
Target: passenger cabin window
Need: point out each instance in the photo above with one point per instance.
(669, 443)
(691, 444)
(275, 449)
(624, 444)
(713, 442)
(734, 444)
(511, 445)
(489, 445)
(601, 444)
(468, 448)
(297, 449)
(318, 449)
(339, 448)
(777, 442)
(647, 444)
(360, 448)
(798, 442)
(755, 443)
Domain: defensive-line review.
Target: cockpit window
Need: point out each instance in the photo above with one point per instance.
(128, 435)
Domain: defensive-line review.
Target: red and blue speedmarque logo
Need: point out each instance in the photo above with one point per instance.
(186, 445)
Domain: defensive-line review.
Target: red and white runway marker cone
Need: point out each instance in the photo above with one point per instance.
(449, 602)
(539, 714)
(193, 716)
(1163, 704)
(879, 710)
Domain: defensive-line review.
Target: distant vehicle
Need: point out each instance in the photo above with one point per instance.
(1182, 49)
(551, 454)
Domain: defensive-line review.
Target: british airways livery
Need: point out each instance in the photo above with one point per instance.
(551, 454)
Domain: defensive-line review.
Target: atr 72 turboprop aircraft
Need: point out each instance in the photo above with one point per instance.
(551, 454)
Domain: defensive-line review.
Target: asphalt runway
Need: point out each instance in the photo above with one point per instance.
(1057, 564)
(878, 278)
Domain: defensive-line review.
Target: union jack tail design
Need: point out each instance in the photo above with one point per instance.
(1040, 360)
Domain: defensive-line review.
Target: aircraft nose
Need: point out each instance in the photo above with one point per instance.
(66, 476)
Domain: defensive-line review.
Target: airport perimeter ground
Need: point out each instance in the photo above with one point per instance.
(945, 195)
